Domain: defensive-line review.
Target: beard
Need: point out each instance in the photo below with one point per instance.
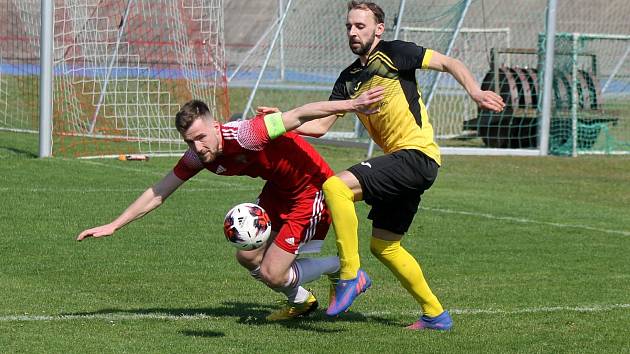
(365, 47)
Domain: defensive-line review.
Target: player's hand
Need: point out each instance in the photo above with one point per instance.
(266, 110)
(368, 98)
(96, 232)
(489, 100)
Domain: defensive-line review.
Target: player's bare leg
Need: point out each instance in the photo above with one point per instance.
(282, 272)
(252, 260)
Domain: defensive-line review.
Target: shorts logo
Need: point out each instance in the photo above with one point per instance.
(366, 164)
(220, 169)
(291, 241)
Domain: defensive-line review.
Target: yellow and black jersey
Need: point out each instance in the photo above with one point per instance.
(402, 122)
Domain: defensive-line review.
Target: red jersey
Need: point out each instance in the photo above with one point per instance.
(288, 163)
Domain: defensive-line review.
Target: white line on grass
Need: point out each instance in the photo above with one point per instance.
(528, 221)
(216, 183)
(243, 188)
(586, 308)
(155, 173)
(124, 168)
(118, 316)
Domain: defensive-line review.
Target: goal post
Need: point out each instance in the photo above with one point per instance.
(313, 51)
(120, 71)
(46, 79)
(458, 108)
(303, 66)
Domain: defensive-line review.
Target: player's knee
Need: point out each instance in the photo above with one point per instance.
(272, 277)
(248, 259)
(382, 249)
(334, 188)
(375, 249)
(328, 185)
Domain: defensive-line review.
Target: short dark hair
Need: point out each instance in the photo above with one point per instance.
(379, 14)
(191, 111)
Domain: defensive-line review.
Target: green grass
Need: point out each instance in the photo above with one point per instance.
(529, 254)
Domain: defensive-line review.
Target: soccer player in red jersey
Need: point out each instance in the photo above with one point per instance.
(292, 195)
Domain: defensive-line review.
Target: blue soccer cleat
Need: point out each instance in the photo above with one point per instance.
(346, 291)
(443, 322)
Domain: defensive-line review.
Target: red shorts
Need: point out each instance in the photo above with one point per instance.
(301, 221)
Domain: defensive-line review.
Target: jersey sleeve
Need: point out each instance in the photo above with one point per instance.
(409, 56)
(251, 134)
(188, 166)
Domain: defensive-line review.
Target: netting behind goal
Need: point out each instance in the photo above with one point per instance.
(591, 100)
(121, 71)
(599, 60)
(312, 49)
(450, 105)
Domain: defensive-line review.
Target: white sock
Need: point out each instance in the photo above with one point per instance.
(301, 295)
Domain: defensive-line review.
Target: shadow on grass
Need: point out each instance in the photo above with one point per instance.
(6, 151)
(205, 334)
(246, 313)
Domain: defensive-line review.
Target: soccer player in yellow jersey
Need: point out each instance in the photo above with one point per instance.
(393, 183)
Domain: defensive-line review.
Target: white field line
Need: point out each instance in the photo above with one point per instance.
(584, 308)
(122, 316)
(528, 221)
(215, 183)
(242, 188)
(531, 310)
(155, 173)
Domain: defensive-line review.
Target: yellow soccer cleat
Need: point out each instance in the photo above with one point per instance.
(293, 310)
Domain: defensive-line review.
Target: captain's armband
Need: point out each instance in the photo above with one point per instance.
(274, 124)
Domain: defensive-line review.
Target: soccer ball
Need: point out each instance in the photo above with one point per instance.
(247, 226)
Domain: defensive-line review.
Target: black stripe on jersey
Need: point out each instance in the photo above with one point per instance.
(406, 78)
(410, 88)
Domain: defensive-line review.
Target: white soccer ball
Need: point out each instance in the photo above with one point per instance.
(247, 226)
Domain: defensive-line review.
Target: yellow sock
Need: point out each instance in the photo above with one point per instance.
(340, 202)
(408, 272)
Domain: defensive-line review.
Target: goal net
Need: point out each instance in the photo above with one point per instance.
(121, 70)
(591, 101)
(450, 105)
(299, 62)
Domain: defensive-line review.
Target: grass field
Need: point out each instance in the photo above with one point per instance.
(529, 255)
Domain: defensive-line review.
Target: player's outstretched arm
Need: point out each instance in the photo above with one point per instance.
(148, 201)
(314, 128)
(296, 117)
(485, 99)
(317, 127)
